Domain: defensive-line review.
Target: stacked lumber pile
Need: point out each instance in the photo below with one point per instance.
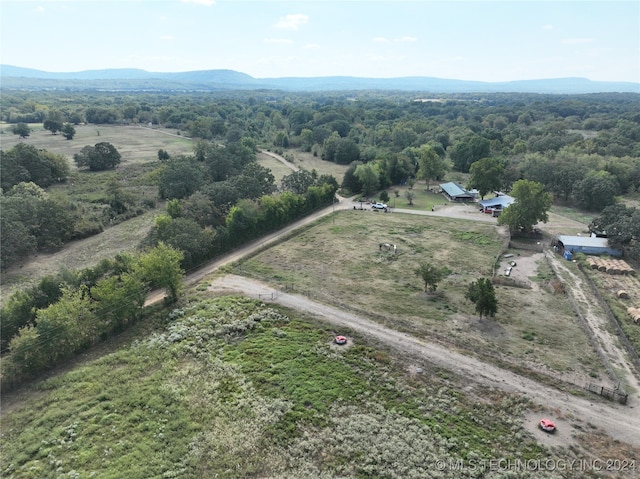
(635, 314)
(610, 266)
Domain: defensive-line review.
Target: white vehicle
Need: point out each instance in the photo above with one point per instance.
(378, 206)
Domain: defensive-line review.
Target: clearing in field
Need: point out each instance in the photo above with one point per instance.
(339, 261)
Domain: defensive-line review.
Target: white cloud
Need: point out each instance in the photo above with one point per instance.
(279, 41)
(39, 9)
(167, 37)
(206, 3)
(577, 41)
(403, 39)
(548, 26)
(292, 21)
(311, 46)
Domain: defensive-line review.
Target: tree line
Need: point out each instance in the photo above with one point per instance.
(66, 314)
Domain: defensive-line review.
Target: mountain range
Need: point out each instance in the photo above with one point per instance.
(13, 77)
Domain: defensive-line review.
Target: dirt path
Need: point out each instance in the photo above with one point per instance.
(618, 421)
(596, 318)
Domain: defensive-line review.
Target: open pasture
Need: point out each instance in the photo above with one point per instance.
(340, 261)
(134, 143)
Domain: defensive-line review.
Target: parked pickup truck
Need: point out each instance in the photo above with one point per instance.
(378, 206)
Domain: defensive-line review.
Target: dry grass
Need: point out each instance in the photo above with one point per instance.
(339, 261)
(135, 144)
(309, 162)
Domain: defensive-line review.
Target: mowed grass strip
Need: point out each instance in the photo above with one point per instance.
(340, 261)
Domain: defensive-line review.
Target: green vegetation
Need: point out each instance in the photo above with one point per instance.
(228, 387)
(231, 388)
(62, 317)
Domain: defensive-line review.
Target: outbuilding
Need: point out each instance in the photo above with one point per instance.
(497, 203)
(455, 192)
(585, 244)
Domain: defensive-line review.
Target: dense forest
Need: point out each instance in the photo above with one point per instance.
(583, 149)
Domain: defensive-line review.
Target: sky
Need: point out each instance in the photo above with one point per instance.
(466, 40)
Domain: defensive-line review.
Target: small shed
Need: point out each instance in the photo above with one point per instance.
(586, 245)
(456, 192)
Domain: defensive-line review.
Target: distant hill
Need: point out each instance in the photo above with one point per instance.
(13, 77)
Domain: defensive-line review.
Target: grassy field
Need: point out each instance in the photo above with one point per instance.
(339, 261)
(228, 387)
(231, 388)
(135, 144)
(307, 161)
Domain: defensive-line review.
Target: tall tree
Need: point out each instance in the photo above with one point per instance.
(368, 178)
(483, 295)
(119, 299)
(102, 156)
(486, 175)
(160, 267)
(22, 130)
(68, 131)
(53, 125)
(180, 178)
(531, 206)
(596, 191)
(465, 152)
(431, 166)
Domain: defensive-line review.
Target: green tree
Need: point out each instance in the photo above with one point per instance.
(119, 299)
(306, 139)
(464, 153)
(409, 195)
(180, 178)
(486, 175)
(483, 295)
(202, 210)
(119, 200)
(68, 325)
(24, 163)
(299, 181)
(431, 275)
(160, 267)
(102, 156)
(186, 235)
(53, 125)
(531, 206)
(163, 155)
(368, 178)
(26, 356)
(431, 166)
(174, 208)
(22, 130)
(596, 191)
(68, 131)
(621, 224)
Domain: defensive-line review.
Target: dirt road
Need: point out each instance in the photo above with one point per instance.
(621, 422)
(606, 340)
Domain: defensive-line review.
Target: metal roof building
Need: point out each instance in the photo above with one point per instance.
(455, 192)
(499, 202)
(587, 245)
